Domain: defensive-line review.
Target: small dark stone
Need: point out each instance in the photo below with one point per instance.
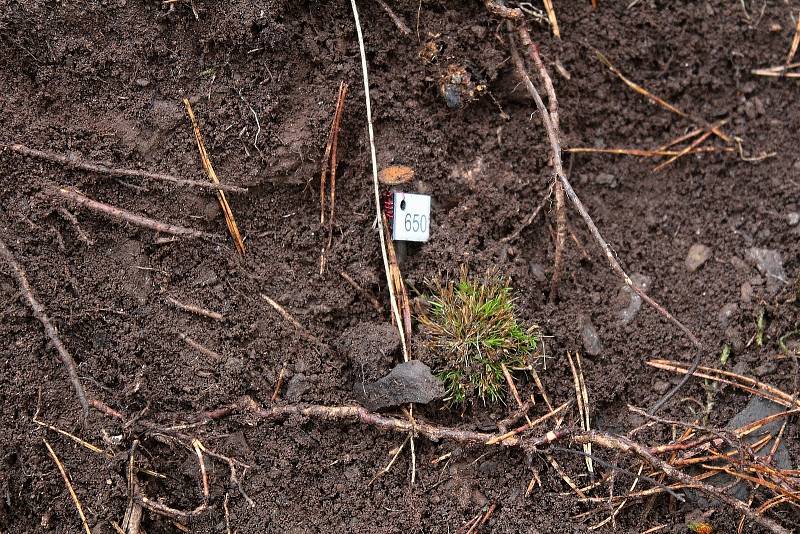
(408, 382)
(591, 340)
(297, 386)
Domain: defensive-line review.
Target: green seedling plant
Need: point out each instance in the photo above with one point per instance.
(471, 329)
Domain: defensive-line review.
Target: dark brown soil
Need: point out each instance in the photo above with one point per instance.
(105, 79)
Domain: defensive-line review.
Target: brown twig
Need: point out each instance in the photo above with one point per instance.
(196, 310)
(138, 220)
(364, 292)
(233, 228)
(556, 152)
(69, 486)
(199, 347)
(83, 236)
(304, 333)
(555, 146)
(500, 10)
(99, 168)
(40, 313)
(404, 29)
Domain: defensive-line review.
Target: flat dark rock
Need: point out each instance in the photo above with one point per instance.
(407, 382)
(758, 408)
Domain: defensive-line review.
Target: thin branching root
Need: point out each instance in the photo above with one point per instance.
(688, 461)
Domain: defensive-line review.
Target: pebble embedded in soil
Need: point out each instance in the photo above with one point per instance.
(746, 293)
(758, 408)
(697, 256)
(727, 312)
(408, 382)
(591, 340)
(793, 218)
(643, 282)
(770, 264)
(297, 385)
(606, 179)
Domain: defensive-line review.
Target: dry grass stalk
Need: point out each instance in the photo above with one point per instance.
(40, 313)
(329, 163)
(101, 168)
(551, 16)
(795, 42)
(199, 347)
(400, 291)
(279, 384)
(138, 220)
(644, 153)
(378, 212)
(611, 518)
(76, 439)
(582, 397)
(233, 228)
(748, 384)
(692, 146)
(304, 333)
(67, 483)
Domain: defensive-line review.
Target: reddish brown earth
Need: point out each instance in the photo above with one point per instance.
(105, 80)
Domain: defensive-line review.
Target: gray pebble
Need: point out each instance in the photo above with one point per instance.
(627, 314)
(727, 312)
(770, 264)
(591, 341)
(608, 180)
(793, 218)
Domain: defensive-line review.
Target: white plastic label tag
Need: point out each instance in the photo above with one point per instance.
(412, 217)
